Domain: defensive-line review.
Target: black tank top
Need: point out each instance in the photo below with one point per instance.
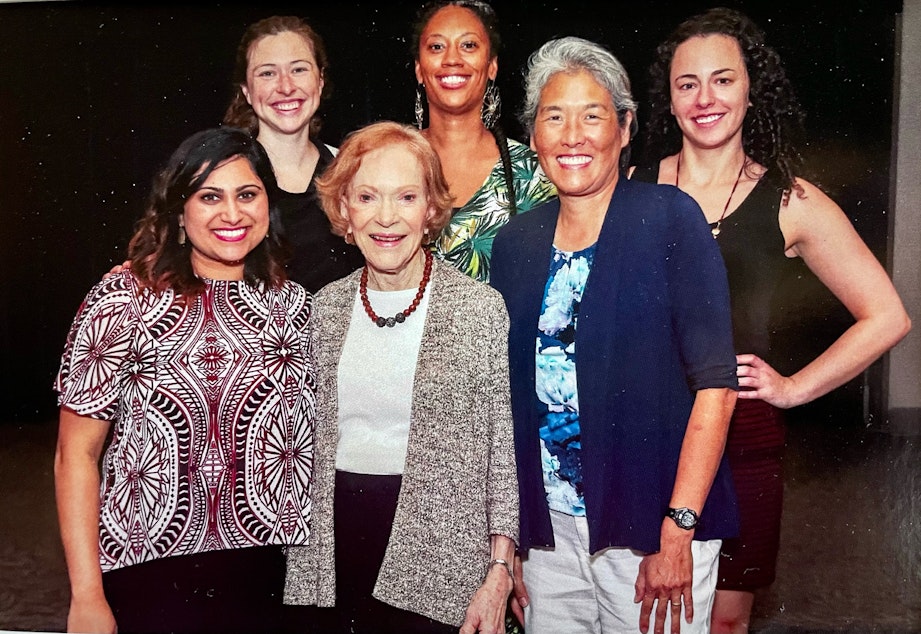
(753, 251)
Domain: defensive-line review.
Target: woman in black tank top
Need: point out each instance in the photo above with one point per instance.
(723, 127)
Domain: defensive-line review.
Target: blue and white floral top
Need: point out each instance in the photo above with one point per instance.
(557, 393)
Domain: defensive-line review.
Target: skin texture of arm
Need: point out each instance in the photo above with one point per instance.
(486, 612)
(666, 576)
(76, 476)
(818, 231)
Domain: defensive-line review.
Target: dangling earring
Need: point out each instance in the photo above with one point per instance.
(181, 232)
(419, 110)
(492, 105)
(348, 238)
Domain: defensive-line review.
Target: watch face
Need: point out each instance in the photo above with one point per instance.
(685, 518)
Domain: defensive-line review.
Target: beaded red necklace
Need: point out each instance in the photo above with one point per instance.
(401, 316)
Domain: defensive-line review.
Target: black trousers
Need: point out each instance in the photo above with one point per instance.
(225, 591)
(363, 512)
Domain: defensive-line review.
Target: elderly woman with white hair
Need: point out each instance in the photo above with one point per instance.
(622, 369)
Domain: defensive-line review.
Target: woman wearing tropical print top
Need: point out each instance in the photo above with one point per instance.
(456, 47)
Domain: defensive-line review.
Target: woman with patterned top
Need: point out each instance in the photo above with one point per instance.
(414, 502)
(723, 127)
(456, 49)
(196, 366)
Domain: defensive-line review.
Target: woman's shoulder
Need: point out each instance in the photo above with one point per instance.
(467, 296)
(295, 297)
(343, 288)
(123, 288)
(459, 281)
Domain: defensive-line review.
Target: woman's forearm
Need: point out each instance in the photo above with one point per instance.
(76, 477)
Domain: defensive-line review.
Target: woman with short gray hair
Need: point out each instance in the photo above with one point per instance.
(622, 370)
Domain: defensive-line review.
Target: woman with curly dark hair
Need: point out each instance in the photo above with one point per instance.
(723, 127)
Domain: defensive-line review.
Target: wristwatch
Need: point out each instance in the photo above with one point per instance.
(684, 517)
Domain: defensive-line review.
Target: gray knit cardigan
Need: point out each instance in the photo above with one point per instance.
(459, 481)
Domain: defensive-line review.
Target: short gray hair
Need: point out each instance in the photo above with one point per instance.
(570, 55)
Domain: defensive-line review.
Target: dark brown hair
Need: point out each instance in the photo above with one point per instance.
(157, 258)
(773, 125)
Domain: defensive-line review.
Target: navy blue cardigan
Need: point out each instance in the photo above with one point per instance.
(654, 327)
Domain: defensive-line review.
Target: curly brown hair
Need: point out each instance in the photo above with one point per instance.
(158, 260)
(239, 113)
(773, 125)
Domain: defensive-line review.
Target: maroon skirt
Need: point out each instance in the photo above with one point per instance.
(754, 449)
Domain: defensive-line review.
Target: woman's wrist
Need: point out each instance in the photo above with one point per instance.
(504, 563)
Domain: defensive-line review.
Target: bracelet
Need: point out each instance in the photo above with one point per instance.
(502, 562)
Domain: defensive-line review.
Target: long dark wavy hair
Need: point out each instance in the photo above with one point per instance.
(773, 125)
(239, 113)
(157, 259)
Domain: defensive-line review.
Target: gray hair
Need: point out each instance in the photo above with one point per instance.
(570, 55)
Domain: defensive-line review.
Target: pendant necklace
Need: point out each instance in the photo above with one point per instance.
(716, 230)
(401, 316)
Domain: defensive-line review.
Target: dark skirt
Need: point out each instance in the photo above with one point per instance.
(754, 449)
(224, 591)
(364, 506)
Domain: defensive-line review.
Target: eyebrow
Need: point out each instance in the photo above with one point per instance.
(215, 188)
(293, 61)
(719, 71)
(467, 34)
(588, 106)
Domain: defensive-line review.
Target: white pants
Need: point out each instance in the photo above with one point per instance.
(573, 592)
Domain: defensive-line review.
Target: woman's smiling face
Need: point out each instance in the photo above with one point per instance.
(709, 90)
(454, 60)
(225, 219)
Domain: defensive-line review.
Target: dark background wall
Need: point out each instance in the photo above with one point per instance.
(94, 96)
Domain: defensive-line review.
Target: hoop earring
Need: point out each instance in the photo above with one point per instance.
(348, 238)
(492, 105)
(419, 109)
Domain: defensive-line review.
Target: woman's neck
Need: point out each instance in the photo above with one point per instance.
(294, 158)
(408, 277)
(702, 167)
(581, 218)
(448, 130)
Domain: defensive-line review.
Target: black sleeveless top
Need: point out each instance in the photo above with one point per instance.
(318, 257)
(753, 250)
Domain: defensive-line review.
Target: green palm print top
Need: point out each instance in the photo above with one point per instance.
(466, 242)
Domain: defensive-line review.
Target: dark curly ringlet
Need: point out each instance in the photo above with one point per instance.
(773, 126)
(157, 259)
(240, 113)
(483, 11)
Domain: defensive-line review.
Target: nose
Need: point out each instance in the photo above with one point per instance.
(387, 213)
(705, 95)
(573, 134)
(452, 56)
(285, 83)
(231, 212)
